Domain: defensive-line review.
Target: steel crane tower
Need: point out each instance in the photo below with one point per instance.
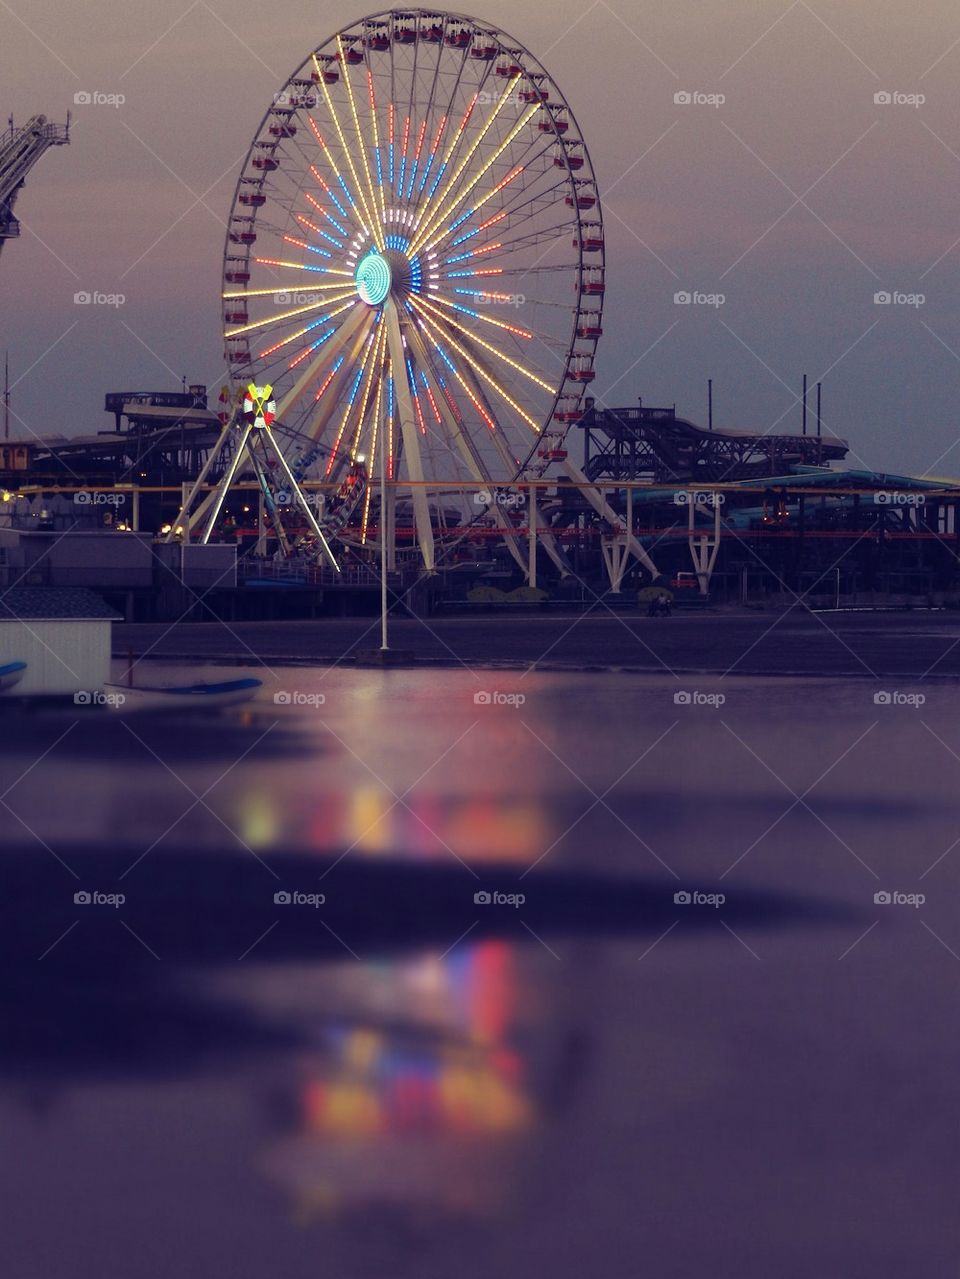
(20, 148)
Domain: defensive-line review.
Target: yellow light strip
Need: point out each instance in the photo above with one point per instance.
(510, 328)
(300, 266)
(422, 302)
(462, 195)
(262, 293)
(454, 142)
(377, 226)
(322, 181)
(372, 227)
(300, 332)
(504, 182)
(376, 141)
(370, 344)
(367, 387)
(446, 337)
(289, 315)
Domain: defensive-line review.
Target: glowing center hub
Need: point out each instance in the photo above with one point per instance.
(374, 278)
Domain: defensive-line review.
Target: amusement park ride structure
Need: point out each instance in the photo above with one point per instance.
(414, 273)
(20, 149)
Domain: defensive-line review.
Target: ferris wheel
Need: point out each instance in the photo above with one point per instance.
(414, 264)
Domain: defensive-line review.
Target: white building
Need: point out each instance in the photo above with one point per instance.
(62, 633)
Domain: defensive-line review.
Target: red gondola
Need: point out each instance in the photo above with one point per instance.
(432, 35)
(379, 42)
(236, 317)
(284, 130)
(353, 56)
(265, 163)
(458, 39)
(484, 50)
(328, 72)
(253, 199)
(405, 35)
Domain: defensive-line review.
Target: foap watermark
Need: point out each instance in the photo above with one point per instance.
(295, 698)
(97, 898)
(88, 297)
(896, 698)
(694, 697)
(481, 298)
(283, 897)
(895, 497)
(286, 497)
(94, 497)
(693, 297)
(97, 697)
(894, 297)
(289, 297)
(694, 897)
(895, 898)
(895, 98)
(697, 98)
(492, 897)
(96, 98)
(499, 699)
(688, 497)
(499, 497)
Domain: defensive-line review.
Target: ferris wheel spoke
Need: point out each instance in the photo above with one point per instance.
(440, 334)
(372, 342)
(409, 434)
(430, 220)
(362, 145)
(354, 212)
(370, 226)
(515, 364)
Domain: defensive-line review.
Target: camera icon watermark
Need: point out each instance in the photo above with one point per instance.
(695, 297)
(685, 697)
(894, 98)
(93, 497)
(687, 497)
(896, 698)
(895, 297)
(97, 898)
(296, 698)
(495, 898)
(87, 297)
(896, 898)
(496, 698)
(694, 897)
(97, 697)
(697, 98)
(297, 898)
(94, 98)
(894, 497)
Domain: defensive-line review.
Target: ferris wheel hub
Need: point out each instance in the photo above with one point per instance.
(374, 278)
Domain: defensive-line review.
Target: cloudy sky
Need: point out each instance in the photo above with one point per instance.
(797, 197)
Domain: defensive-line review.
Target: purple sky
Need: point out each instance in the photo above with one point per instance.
(696, 198)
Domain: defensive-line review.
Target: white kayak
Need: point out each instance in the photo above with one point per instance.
(11, 675)
(191, 697)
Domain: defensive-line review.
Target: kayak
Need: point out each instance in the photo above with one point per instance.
(11, 674)
(185, 697)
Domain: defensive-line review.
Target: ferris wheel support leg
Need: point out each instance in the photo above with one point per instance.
(546, 539)
(468, 451)
(302, 502)
(411, 442)
(185, 517)
(224, 486)
(606, 511)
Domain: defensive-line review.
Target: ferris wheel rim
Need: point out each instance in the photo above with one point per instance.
(551, 429)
